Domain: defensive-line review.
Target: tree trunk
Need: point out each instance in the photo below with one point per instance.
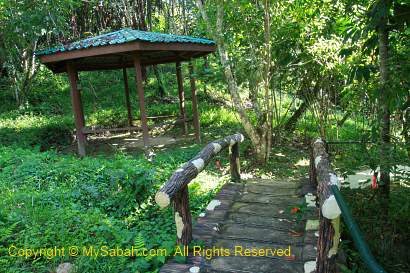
(206, 67)
(309, 97)
(384, 105)
(406, 128)
(343, 120)
(406, 124)
(260, 141)
(291, 123)
(267, 134)
(161, 86)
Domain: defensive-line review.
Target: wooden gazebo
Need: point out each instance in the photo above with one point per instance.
(120, 50)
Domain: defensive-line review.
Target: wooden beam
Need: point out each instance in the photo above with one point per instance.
(127, 96)
(181, 96)
(162, 117)
(140, 89)
(77, 109)
(195, 114)
(91, 130)
(85, 65)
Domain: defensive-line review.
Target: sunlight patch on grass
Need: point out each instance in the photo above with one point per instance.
(207, 181)
(302, 163)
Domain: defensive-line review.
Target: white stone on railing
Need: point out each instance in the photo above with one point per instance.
(310, 266)
(194, 269)
(179, 224)
(317, 160)
(213, 204)
(319, 140)
(198, 163)
(330, 208)
(217, 147)
(334, 180)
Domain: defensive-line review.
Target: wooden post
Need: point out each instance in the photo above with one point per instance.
(140, 90)
(329, 209)
(195, 114)
(181, 95)
(234, 162)
(77, 109)
(182, 215)
(127, 96)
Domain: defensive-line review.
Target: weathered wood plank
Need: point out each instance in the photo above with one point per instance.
(218, 231)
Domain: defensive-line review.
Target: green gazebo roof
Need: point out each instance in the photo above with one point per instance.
(116, 50)
(124, 36)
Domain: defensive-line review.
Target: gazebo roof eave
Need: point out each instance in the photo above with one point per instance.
(82, 64)
(127, 48)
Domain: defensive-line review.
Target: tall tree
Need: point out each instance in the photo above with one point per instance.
(23, 26)
(383, 33)
(260, 134)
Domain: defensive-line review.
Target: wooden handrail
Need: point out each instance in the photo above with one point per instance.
(332, 205)
(329, 212)
(176, 188)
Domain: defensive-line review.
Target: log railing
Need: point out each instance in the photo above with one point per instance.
(332, 205)
(176, 188)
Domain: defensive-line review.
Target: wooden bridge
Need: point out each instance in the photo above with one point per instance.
(253, 215)
(258, 225)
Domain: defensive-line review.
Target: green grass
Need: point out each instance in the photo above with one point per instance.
(50, 199)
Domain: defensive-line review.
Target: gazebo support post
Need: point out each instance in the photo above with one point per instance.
(181, 95)
(127, 96)
(140, 90)
(77, 108)
(195, 114)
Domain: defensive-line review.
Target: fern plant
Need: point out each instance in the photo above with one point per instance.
(139, 241)
(7, 231)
